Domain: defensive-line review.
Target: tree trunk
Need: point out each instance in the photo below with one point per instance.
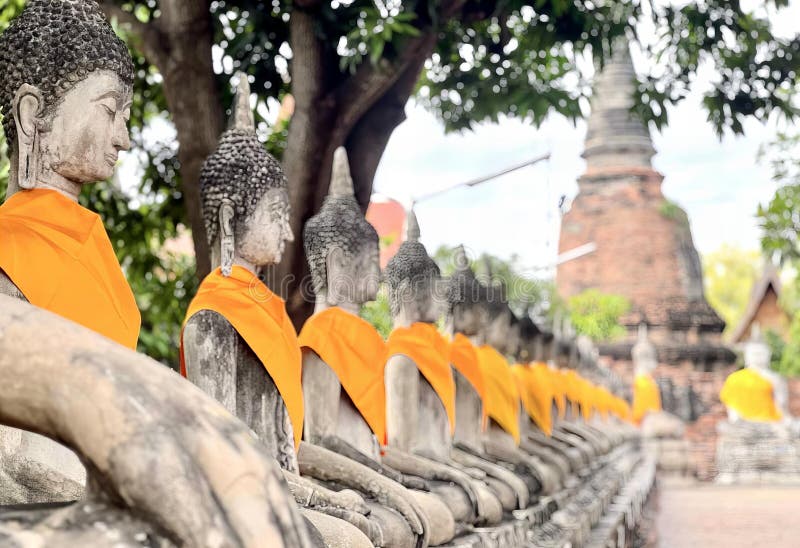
(361, 113)
(191, 93)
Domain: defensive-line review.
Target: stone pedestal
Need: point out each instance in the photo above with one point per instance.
(756, 452)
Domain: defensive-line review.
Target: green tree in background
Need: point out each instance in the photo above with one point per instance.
(596, 314)
(728, 275)
(780, 225)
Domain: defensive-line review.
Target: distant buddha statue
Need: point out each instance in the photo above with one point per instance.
(65, 99)
(466, 317)
(755, 393)
(238, 343)
(646, 395)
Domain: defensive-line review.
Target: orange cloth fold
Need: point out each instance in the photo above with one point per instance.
(646, 397)
(559, 384)
(59, 256)
(536, 393)
(464, 357)
(429, 350)
(356, 352)
(751, 395)
(260, 318)
(502, 397)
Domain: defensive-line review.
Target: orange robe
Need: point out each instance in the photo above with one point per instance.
(464, 357)
(428, 349)
(646, 397)
(751, 395)
(356, 352)
(59, 256)
(502, 398)
(260, 318)
(536, 393)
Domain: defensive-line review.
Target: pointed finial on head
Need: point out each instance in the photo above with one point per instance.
(642, 332)
(412, 226)
(460, 258)
(341, 182)
(755, 333)
(241, 113)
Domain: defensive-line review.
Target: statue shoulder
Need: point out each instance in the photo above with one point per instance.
(7, 287)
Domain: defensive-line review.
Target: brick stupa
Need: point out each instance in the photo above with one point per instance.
(644, 243)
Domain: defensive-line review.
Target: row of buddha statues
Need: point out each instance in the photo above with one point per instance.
(330, 437)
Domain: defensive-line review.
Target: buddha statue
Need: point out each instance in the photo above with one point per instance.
(466, 316)
(238, 343)
(756, 393)
(344, 356)
(646, 395)
(65, 99)
(420, 388)
(167, 465)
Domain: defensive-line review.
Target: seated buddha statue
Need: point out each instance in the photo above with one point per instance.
(465, 317)
(646, 395)
(343, 362)
(65, 99)
(500, 338)
(238, 343)
(420, 388)
(755, 393)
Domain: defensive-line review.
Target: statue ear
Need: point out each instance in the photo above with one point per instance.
(27, 107)
(334, 268)
(227, 217)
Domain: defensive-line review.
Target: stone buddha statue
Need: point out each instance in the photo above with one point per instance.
(65, 99)
(420, 388)
(344, 358)
(238, 343)
(646, 395)
(756, 393)
(467, 314)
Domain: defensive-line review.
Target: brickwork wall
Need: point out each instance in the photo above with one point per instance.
(636, 254)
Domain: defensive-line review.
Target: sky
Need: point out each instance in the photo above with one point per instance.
(719, 182)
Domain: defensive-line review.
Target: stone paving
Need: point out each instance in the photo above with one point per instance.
(710, 516)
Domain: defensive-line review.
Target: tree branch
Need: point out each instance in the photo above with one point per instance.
(147, 36)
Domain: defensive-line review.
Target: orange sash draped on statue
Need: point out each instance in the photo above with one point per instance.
(464, 358)
(260, 318)
(59, 256)
(502, 397)
(559, 392)
(646, 397)
(751, 395)
(536, 393)
(357, 354)
(428, 349)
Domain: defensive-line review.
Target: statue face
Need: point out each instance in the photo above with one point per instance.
(429, 300)
(468, 318)
(502, 335)
(88, 129)
(355, 279)
(757, 355)
(266, 231)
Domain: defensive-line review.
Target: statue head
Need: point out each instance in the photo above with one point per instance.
(244, 195)
(530, 341)
(587, 353)
(416, 289)
(65, 95)
(467, 303)
(757, 354)
(341, 246)
(643, 353)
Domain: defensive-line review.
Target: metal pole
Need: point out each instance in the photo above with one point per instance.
(480, 180)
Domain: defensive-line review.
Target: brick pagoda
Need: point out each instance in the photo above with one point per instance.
(645, 252)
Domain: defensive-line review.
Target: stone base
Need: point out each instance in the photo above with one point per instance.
(758, 453)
